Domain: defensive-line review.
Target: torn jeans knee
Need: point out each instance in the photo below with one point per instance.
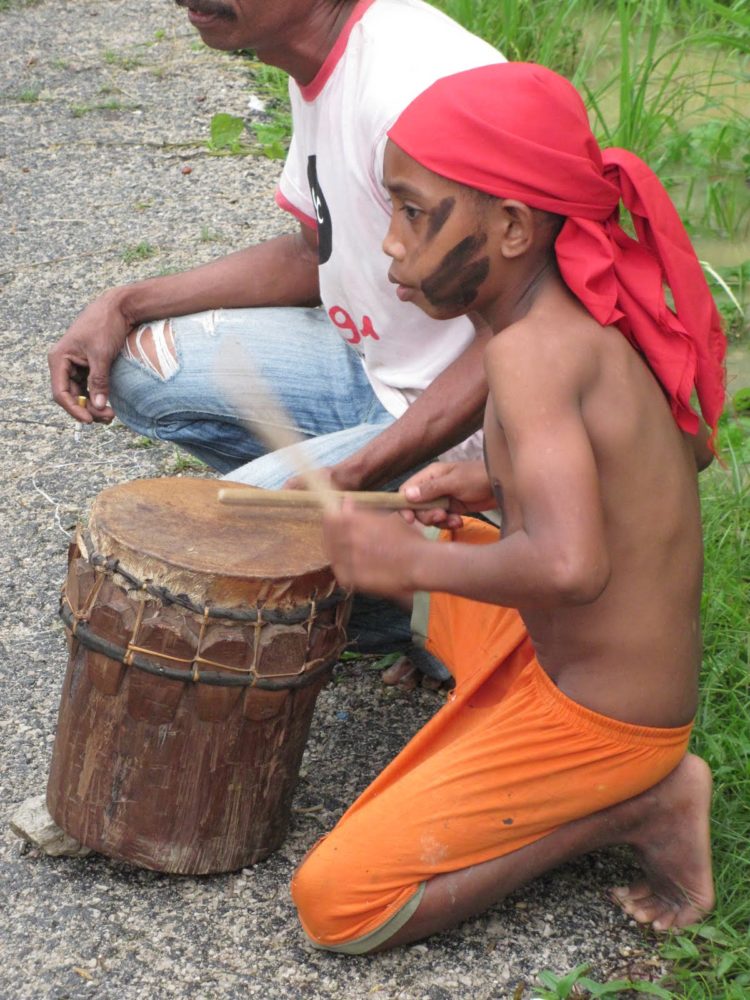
(153, 346)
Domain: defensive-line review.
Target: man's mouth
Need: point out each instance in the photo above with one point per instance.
(201, 11)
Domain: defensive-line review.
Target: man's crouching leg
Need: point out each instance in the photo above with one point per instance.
(667, 825)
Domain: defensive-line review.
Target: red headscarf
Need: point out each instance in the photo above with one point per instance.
(518, 130)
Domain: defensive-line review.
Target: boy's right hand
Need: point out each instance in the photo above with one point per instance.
(466, 483)
(80, 361)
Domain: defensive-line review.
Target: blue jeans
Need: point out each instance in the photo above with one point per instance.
(203, 405)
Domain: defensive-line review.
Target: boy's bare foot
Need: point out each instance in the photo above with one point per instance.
(670, 834)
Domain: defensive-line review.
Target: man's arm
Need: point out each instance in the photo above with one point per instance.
(281, 271)
(446, 413)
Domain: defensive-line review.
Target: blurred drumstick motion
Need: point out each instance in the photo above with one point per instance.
(299, 498)
(267, 420)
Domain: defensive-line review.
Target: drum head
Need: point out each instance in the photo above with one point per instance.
(175, 532)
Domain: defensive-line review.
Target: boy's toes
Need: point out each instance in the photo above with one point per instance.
(629, 896)
(643, 905)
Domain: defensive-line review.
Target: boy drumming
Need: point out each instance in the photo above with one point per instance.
(575, 638)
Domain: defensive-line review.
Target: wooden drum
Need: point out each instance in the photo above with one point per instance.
(200, 636)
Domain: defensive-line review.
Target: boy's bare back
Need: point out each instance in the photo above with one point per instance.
(580, 435)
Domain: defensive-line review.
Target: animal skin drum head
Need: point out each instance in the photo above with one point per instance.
(178, 527)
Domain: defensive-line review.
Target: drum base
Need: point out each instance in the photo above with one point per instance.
(171, 791)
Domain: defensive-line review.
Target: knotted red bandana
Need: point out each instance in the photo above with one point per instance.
(518, 130)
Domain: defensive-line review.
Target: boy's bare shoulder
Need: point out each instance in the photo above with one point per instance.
(556, 341)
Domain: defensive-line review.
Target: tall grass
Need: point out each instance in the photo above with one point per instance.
(714, 961)
(542, 31)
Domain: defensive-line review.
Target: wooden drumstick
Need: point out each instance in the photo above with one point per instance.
(300, 498)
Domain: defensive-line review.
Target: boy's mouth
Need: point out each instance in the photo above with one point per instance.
(404, 292)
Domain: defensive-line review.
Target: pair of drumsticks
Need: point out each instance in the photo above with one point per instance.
(277, 431)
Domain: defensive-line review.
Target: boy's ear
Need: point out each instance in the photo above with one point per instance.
(516, 225)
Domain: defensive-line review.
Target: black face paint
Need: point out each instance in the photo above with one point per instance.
(455, 282)
(440, 216)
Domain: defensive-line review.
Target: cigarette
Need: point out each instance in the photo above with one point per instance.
(82, 401)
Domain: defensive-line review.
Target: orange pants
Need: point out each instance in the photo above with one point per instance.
(505, 762)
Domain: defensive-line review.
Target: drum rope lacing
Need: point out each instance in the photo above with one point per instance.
(134, 655)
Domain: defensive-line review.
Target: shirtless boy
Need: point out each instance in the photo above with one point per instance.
(575, 638)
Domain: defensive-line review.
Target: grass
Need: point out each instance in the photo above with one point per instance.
(9, 4)
(111, 104)
(142, 251)
(714, 960)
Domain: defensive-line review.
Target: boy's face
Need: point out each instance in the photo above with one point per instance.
(441, 246)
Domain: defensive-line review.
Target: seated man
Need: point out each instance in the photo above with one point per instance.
(375, 388)
(365, 378)
(574, 637)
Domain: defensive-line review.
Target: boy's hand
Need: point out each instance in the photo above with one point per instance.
(466, 483)
(371, 552)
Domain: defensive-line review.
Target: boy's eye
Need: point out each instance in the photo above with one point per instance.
(411, 213)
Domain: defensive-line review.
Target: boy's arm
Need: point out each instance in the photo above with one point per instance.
(557, 554)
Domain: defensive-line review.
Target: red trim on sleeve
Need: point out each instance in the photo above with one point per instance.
(287, 206)
(311, 90)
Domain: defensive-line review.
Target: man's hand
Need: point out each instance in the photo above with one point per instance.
(80, 361)
(372, 552)
(282, 271)
(466, 483)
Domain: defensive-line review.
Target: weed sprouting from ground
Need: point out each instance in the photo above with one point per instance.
(142, 251)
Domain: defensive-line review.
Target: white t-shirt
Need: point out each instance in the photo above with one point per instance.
(388, 53)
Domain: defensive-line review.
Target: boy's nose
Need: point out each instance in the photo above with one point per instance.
(393, 247)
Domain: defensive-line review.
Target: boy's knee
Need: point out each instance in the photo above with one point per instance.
(314, 887)
(346, 908)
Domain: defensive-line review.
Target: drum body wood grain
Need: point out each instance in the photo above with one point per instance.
(200, 636)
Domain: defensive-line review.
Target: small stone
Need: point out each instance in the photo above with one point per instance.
(32, 822)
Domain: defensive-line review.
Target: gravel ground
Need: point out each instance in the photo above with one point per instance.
(81, 185)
